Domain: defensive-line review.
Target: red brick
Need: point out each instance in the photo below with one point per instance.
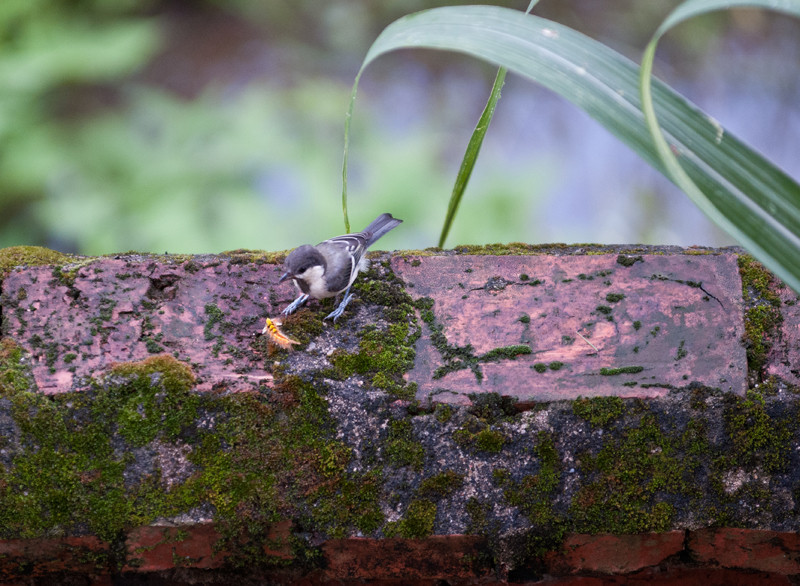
(614, 554)
(676, 576)
(766, 551)
(438, 557)
(151, 548)
(688, 334)
(784, 359)
(39, 557)
(118, 300)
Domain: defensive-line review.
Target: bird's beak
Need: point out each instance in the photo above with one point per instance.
(286, 275)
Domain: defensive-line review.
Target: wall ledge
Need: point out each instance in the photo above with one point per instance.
(484, 415)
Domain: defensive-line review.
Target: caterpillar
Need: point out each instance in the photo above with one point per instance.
(272, 329)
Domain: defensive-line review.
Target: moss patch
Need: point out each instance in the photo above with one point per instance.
(386, 353)
(621, 370)
(417, 523)
(599, 411)
(15, 256)
(89, 461)
(628, 480)
(401, 448)
(535, 494)
(441, 485)
(762, 316)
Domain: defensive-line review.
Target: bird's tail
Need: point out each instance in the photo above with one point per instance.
(380, 226)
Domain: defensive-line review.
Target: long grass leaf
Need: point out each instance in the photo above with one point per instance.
(761, 209)
(471, 154)
(738, 182)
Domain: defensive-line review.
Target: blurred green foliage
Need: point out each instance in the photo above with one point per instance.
(125, 126)
(48, 47)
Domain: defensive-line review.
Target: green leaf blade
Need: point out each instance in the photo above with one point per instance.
(740, 190)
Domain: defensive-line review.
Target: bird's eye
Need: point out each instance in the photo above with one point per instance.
(301, 271)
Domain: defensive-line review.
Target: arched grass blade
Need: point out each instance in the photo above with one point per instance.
(761, 207)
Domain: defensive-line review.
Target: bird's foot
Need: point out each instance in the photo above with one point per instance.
(295, 305)
(336, 313)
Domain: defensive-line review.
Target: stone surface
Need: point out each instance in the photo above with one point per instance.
(116, 310)
(676, 319)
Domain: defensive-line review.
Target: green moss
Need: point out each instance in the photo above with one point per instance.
(491, 407)
(763, 317)
(681, 352)
(215, 316)
(621, 370)
(152, 346)
(555, 365)
(637, 325)
(417, 523)
(15, 256)
(539, 367)
(401, 448)
(599, 411)
(628, 261)
(489, 440)
(535, 495)
(441, 485)
(629, 481)
(759, 439)
(15, 377)
(505, 353)
(351, 501)
(615, 297)
(443, 412)
(254, 460)
(383, 356)
(154, 401)
(476, 434)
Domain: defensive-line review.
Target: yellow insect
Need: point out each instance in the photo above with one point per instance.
(272, 329)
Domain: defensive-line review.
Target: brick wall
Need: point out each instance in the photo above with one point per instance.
(522, 414)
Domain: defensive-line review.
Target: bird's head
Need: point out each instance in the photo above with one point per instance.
(303, 263)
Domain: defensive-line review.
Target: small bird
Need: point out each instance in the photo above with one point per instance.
(330, 267)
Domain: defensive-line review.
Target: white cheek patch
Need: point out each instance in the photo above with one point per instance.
(316, 283)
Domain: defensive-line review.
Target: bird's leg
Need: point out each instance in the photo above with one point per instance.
(340, 310)
(295, 305)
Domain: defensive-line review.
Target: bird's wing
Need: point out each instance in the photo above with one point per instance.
(353, 244)
(349, 249)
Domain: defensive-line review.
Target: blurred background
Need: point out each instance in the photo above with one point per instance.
(201, 126)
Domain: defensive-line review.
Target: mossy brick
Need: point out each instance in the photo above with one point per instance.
(693, 301)
(204, 310)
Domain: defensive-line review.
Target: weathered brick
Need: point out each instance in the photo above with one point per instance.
(669, 320)
(730, 547)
